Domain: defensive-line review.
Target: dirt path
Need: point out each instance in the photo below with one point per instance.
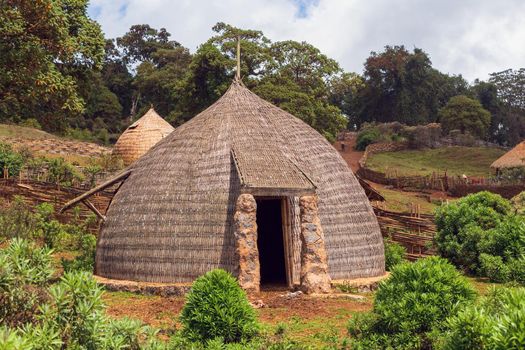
(349, 154)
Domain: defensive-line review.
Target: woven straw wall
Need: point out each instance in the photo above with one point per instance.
(512, 159)
(140, 136)
(171, 220)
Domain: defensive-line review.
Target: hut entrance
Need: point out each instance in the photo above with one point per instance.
(270, 241)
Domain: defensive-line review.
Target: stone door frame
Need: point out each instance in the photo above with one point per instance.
(314, 275)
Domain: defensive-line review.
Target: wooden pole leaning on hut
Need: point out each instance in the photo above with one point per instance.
(84, 197)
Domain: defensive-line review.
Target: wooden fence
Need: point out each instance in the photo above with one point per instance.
(414, 231)
(455, 185)
(35, 192)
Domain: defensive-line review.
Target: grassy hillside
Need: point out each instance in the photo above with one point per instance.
(472, 161)
(15, 131)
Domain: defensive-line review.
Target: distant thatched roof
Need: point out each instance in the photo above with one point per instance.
(512, 159)
(140, 136)
(172, 218)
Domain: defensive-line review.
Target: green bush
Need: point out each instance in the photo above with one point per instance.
(17, 220)
(86, 260)
(496, 323)
(463, 223)
(366, 137)
(416, 299)
(10, 160)
(62, 173)
(217, 307)
(394, 254)
(24, 270)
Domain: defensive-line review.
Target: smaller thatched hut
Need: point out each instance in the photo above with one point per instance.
(140, 136)
(515, 158)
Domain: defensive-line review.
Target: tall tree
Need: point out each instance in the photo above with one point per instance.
(402, 86)
(466, 115)
(41, 44)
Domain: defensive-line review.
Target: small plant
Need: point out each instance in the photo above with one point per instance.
(394, 254)
(24, 270)
(217, 307)
(10, 160)
(497, 322)
(366, 137)
(416, 299)
(62, 173)
(86, 260)
(17, 220)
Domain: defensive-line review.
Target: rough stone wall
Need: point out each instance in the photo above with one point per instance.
(381, 147)
(314, 262)
(245, 219)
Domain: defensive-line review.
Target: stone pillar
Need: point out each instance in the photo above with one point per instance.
(314, 262)
(245, 219)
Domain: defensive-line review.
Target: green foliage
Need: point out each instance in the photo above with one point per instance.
(86, 260)
(217, 307)
(48, 42)
(10, 160)
(462, 224)
(496, 322)
(481, 233)
(416, 299)
(466, 115)
(367, 137)
(17, 220)
(402, 86)
(394, 254)
(24, 270)
(62, 172)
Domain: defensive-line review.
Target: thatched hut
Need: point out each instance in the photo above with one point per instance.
(246, 187)
(140, 136)
(515, 158)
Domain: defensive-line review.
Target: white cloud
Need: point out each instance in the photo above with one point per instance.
(466, 37)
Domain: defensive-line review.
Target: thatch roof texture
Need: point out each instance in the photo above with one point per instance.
(512, 159)
(171, 219)
(140, 136)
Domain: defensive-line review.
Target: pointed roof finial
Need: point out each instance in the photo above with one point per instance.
(238, 73)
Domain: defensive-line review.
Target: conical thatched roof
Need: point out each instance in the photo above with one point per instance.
(172, 218)
(512, 159)
(140, 136)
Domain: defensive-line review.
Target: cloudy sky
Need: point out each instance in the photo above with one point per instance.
(469, 37)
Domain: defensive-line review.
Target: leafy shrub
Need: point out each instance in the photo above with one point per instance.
(518, 202)
(497, 322)
(462, 224)
(416, 299)
(62, 172)
(86, 260)
(394, 254)
(217, 307)
(31, 123)
(367, 137)
(10, 160)
(17, 220)
(24, 270)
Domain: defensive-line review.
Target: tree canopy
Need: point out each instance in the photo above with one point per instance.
(466, 115)
(56, 66)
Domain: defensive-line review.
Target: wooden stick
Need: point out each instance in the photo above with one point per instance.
(238, 73)
(94, 190)
(94, 209)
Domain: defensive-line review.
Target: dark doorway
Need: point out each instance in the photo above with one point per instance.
(270, 241)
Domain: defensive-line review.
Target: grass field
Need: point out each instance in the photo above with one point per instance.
(471, 161)
(401, 201)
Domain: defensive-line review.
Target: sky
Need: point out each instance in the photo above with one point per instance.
(468, 37)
